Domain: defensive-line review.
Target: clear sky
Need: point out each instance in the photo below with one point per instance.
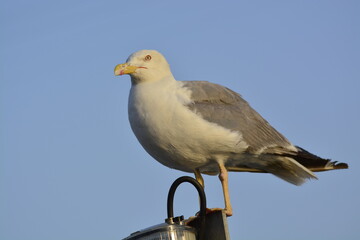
(70, 166)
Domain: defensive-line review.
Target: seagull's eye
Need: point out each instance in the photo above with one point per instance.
(147, 58)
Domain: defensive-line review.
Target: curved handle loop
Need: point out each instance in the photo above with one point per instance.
(201, 192)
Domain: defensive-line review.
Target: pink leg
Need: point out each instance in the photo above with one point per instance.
(223, 176)
(199, 178)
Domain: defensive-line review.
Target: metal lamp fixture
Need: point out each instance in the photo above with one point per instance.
(174, 228)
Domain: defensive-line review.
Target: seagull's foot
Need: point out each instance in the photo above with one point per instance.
(228, 212)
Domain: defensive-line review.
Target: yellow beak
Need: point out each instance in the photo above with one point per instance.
(124, 68)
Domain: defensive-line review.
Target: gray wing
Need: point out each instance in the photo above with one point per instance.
(227, 108)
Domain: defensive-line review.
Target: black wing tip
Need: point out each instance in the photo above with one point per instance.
(316, 163)
(337, 165)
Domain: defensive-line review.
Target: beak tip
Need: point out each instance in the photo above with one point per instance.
(124, 68)
(118, 72)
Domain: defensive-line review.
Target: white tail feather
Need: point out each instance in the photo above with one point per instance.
(289, 170)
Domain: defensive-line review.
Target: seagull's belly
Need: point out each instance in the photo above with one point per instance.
(174, 135)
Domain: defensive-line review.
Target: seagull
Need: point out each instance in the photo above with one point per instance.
(204, 128)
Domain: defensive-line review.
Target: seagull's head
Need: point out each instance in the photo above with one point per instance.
(144, 66)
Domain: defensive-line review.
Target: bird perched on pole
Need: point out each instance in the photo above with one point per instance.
(202, 127)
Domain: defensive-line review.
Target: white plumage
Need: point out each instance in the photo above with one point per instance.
(172, 133)
(201, 127)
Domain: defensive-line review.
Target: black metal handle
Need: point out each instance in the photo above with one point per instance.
(200, 189)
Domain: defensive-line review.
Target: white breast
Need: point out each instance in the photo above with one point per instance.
(173, 134)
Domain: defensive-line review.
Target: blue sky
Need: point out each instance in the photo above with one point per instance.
(70, 167)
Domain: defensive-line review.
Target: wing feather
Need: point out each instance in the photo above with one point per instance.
(220, 105)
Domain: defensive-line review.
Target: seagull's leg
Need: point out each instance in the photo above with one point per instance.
(199, 178)
(223, 176)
